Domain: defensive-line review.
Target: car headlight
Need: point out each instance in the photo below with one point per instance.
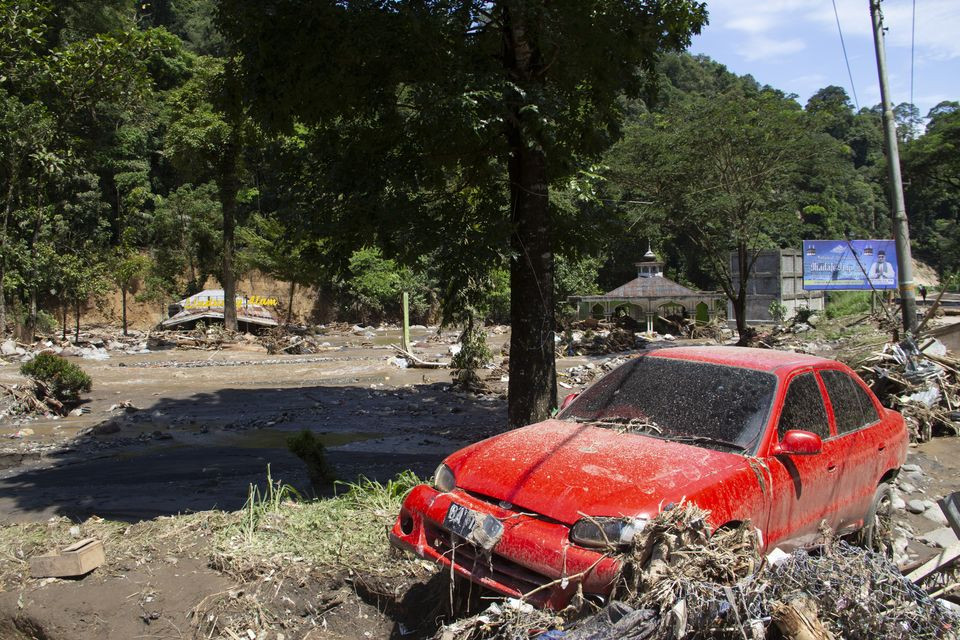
(606, 532)
(443, 479)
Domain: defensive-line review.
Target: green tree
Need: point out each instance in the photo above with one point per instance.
(457, 99)
(282, 249)
(723, 171)
(126, 267)
(206, 139)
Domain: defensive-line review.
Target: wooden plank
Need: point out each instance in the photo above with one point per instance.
(78, 559)
(944, 558)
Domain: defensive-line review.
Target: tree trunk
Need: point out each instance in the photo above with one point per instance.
(3, 296)
(293, 288)
(76, 315)
(228, 184)
(123, 306)
(64, 304)
(7, 209)
(30, 326)
(532, 392)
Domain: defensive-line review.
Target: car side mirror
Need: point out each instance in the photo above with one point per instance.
(799, 443)
(566, 401)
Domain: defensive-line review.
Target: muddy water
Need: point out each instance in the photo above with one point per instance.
(203, 429)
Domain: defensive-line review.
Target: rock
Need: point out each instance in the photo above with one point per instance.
(8, 348)
(68, 351)
(813, 320)
(106, 428)
(911, 468)
(934, 514)
(454, 349)
(23, 433)
(77, 412)
(916, 506)
(942, 537)
(906, 487)
(897, 501)
(801, 327)
(915, 477)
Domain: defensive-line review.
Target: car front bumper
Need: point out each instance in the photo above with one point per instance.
(534, 558)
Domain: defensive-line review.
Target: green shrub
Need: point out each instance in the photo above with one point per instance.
(848, 303)
(308, 448)
(64, 380)
(474, 354)
(778, 311)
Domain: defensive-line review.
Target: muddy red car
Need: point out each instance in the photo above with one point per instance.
(783, 440)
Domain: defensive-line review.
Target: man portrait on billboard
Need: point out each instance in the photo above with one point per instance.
(881, 271)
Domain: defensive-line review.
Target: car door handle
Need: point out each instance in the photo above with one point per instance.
(831, 468)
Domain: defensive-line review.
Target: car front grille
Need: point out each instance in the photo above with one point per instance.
(480, 565)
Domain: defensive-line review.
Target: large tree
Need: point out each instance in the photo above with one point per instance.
(725, 171)
(477, 104)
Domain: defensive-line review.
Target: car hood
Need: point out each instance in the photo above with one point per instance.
(564, 469)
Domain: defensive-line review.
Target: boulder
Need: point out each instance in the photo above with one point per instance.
(916, 506)
(8, 348)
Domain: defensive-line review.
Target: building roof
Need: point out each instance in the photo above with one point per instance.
(651, 287)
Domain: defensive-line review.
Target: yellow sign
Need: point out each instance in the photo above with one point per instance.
(206, 303)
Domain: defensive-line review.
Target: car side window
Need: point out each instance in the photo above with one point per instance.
(852, 406)
(803, 408)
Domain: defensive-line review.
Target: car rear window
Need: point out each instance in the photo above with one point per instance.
(680, 398)
(852, 407)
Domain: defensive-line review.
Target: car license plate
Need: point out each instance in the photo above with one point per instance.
(481, 529)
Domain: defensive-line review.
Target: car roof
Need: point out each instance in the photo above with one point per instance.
(744, 357)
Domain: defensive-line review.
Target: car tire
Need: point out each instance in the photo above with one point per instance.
(877, 531)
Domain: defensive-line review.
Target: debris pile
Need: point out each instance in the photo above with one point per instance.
(96, 344)
(679, 581)
(581, 375)
(24, 400)
(921, 381)
(600, 341)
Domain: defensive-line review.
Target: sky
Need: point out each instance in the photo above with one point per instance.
(794, 46)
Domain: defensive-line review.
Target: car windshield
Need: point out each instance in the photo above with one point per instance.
(709, 405)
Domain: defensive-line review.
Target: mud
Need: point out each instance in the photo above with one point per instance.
(205, 425)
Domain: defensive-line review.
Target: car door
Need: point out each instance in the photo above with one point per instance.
(803, 487)
(853, 414)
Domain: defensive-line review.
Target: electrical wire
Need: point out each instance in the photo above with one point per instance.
(843, 45)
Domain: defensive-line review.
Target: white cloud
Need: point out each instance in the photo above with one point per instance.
(755, 23)
(765, 48)
(937, 24)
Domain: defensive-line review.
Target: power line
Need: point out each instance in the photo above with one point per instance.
(843, 45)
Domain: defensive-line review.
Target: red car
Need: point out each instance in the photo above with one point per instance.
(781, 439)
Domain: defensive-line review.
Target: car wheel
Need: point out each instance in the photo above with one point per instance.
(877, 532)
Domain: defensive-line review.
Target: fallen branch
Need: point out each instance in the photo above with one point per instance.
(416, 362)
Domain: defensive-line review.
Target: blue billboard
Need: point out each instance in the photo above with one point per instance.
(849, 264)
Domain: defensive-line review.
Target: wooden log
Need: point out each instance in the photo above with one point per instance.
(798, 620)
(416, 362)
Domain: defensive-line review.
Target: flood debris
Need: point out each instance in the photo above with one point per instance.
(921, 381)
(680, 580)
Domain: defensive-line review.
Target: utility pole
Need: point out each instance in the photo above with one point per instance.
(898, 213)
